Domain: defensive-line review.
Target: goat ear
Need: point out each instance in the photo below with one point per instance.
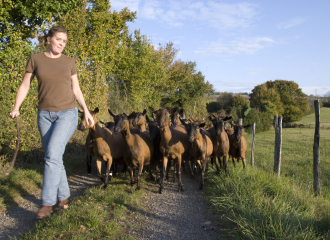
(210, 118)
(102, 122)
(96, 110)
(173, 110)
(183, 122)
(181, 111)
(246, 126)
(144, 111)
(111, 113)
(152, 110)
(232, 123)
(227, 118)
(202, 125)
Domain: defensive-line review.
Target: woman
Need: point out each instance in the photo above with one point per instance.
(58, 91)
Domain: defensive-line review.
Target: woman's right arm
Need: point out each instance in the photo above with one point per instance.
(21, 94)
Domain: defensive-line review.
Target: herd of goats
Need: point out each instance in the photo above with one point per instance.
(136, 141)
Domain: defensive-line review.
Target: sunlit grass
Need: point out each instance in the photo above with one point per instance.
(98, 214)
(256, 204)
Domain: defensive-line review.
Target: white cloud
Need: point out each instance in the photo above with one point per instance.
(290, 23)
(175, 13)
(236, 47)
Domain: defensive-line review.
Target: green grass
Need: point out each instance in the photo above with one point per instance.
(256, 204)
(113, 213)
(310, 119)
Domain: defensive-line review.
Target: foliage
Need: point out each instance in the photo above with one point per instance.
(26, 16)
(139, 72)
(280, 97)
(94, 36)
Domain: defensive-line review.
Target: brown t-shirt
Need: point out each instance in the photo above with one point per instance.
(54, 81)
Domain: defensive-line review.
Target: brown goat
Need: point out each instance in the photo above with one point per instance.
(174, 142)
(138, 146)
(138, 121)
(107, 145)
(220, 140)
(202, 146)
(238, 146)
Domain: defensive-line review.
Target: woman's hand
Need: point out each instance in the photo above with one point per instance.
(89, 118)
(14, 114)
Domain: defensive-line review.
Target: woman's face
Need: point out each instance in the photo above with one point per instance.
(57, 42)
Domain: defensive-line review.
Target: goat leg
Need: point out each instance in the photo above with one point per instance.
(161, 186)
(179, 172)
(139, 175)
(130, 169)
(217, 163)
(99, 166)
(225, 163)
(201, 187)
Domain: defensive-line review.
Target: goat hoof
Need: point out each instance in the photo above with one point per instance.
(104, 187)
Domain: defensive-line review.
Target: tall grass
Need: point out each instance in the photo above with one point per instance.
(259, 205)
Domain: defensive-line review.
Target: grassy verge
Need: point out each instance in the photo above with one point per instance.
(257, 205)
(26, 178)
(114, 213)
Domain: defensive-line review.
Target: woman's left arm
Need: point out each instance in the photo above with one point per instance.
(80, 99)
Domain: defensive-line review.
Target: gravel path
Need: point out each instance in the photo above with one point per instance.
(170, 215)
(178, 215)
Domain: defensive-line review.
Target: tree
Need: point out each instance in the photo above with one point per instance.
(280, 97)
(186, 88)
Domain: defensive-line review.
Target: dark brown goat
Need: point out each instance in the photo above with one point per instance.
(174, 142)
(220, 140)
(202, 146)
(138, 146)
(238, 146)
(107, 145)
(138, 120)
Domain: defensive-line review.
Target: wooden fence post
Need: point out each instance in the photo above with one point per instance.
(278, 144)
(253, 128)
(316, 151)
(240, 121)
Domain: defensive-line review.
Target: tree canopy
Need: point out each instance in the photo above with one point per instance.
(280, 97)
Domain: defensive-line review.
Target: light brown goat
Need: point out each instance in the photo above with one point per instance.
(220, 140)
(238, 146)
(107, 145)
(202, 146)
(174, 142)
(138, 146)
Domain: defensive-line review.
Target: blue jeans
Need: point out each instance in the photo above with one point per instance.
(56, 129)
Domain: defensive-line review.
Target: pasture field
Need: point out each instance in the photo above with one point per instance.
(256, 204)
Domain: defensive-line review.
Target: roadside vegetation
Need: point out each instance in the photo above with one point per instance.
(255, 204)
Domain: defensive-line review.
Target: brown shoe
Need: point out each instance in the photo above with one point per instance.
(61, 204)
(44, 211)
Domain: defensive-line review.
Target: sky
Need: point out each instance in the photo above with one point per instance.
(240, 44)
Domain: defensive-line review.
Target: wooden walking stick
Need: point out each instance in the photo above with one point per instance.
(16, 151)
